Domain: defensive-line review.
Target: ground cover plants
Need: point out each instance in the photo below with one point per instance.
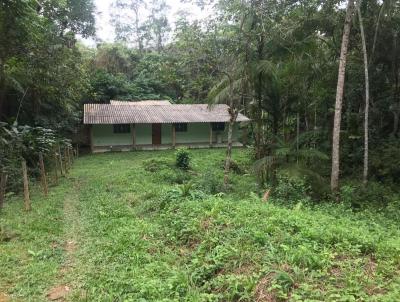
(135, 227)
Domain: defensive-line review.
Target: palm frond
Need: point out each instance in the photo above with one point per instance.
(217, 89)
(312, 154)
(283, 151)
(14, 84)
(220, 93)
(264, 163)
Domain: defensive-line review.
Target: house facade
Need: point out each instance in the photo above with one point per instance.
(152, 125)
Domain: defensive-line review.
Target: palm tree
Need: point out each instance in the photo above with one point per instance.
(231, 90)
(293, 156)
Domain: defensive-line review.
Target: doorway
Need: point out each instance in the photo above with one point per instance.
(156, 134)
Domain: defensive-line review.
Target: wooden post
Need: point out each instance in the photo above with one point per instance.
(77, 150)
(66, 168)
(61, 161)
(211, 135)
(91, 138)
(43, 175)
(69, 157)
(244, 135)
(27, 200)
(134, 136)
(55, 168)
(3, 184)
(173, 136)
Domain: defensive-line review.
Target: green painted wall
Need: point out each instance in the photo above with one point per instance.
(224, 134)
(166, 134)
(103, 135)
(200, 133)
(143, 134)
(196, 133)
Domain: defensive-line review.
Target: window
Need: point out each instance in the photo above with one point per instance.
(122, 128)
(218, 126)
(181, 127)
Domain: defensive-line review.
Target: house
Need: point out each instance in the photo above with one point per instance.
(152, 125)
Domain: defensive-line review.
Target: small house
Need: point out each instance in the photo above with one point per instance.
(152, 125)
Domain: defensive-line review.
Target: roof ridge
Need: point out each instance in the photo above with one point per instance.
(96, 113)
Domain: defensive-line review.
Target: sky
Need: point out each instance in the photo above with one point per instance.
(104, 29)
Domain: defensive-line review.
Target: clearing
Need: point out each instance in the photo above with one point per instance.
(132, 227)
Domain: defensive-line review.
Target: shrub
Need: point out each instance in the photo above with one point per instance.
(25, 142)
(234, 167)
(155, 165)
(210, 182)
(385, 161)
(357, 195)
(186, 188)
(182, 158)
(290, 189)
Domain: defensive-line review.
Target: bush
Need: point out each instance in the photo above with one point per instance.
(25, 142)
(155, 165)
(234, 167)
(356, 195)
(210, 182)
(385, 161)
(182, 158)
(291, 189)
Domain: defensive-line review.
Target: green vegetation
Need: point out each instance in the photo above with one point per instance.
(182, 158)
(144, 230)
(172, 226)
(277, 62)
(32, 244)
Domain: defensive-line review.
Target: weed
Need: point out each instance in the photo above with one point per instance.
(146, 237)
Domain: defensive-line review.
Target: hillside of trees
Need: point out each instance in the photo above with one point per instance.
(307, 210)
(276, 61)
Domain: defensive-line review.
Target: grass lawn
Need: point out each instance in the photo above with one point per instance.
(132, 227)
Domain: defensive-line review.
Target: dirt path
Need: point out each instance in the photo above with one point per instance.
(72, 227)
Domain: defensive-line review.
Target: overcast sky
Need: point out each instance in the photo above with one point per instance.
(104, 29)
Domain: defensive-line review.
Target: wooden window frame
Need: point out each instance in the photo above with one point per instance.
(121, 128)
(181, 127)
(220, 126)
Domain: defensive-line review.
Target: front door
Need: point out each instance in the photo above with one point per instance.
(156, 134)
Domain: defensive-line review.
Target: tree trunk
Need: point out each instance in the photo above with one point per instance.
(258, 137)
(297, 137)
(233, 115)
(2, 89)
(55, 167)
(138, 35)
(228, 155)
(339, 98)
(43, 177)
(366, 112)
(376, 31)
(395, 111)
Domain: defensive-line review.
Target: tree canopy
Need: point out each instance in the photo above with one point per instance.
(282, 58)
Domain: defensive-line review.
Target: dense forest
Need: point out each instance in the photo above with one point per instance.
(306, 209)
(276, 61)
